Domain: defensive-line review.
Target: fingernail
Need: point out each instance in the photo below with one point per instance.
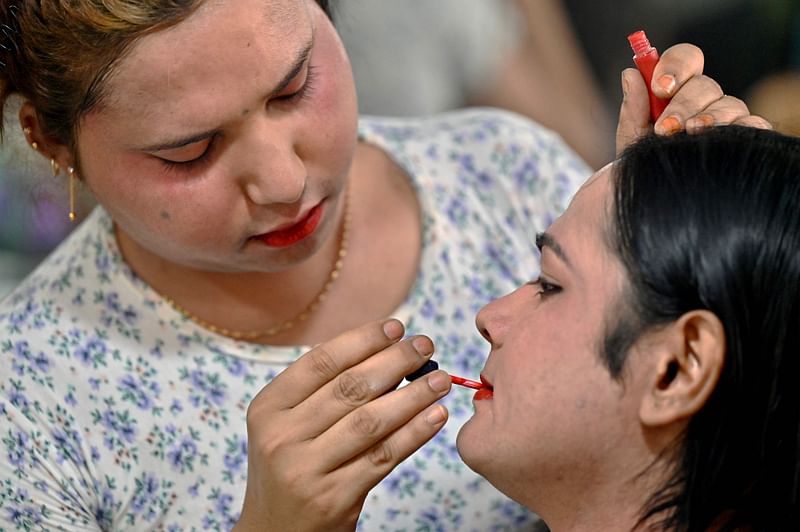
(670, 125)
(439, 381)
(666, 82)
(393, 329)
(699, 123)
(423, 345)
(436, 415)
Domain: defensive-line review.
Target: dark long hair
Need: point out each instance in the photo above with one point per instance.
(712, 221)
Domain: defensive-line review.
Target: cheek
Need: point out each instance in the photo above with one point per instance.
(153, 207)
(334, 115)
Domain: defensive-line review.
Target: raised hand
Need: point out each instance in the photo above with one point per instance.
(697, 101)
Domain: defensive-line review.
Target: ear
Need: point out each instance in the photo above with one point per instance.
(690, 354)
(47, 146)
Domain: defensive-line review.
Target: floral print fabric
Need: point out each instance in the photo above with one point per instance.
(116, 413)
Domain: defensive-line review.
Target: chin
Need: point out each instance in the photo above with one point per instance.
(472, 447)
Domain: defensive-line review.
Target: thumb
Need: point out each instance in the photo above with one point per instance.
(634, 113)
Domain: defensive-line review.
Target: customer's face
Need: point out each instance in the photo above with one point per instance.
(555, 410)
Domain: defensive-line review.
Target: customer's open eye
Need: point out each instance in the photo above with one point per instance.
(545, 287)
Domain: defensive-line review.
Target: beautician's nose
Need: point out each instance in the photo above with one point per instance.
(274, 172)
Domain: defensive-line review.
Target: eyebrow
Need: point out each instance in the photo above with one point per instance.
(295, 69)
(545, 239)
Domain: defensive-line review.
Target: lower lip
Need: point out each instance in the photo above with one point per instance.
(483, 394)
(295, 233)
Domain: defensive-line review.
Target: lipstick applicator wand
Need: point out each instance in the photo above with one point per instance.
(432, 365)
(646, 57)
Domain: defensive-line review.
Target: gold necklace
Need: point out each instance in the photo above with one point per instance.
(303, 315)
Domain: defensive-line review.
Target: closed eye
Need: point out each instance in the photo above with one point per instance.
(304, 91)
(188, 158)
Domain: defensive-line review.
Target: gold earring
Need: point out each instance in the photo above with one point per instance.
(71, 172)
(54, 166)
(28, 132)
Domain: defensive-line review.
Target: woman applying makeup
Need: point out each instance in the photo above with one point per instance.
(247, 214)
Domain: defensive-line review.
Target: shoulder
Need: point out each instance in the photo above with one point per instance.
(481, 132)
(63, 266)
(458, 124)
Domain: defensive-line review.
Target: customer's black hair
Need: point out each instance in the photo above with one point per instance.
(712, 221)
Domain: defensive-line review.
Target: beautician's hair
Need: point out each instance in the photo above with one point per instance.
(712, 221)
(59, 55)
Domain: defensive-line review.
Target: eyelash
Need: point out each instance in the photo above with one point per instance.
(305, 91)
(296, 97)
(546, 288)
(188, 166)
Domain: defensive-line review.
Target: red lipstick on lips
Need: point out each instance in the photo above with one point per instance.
(295, 233)
(485, 392)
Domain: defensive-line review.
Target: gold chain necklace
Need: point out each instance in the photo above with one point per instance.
(303, 315)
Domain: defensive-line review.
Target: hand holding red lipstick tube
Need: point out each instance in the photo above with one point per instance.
(332, 425)
(695, 101)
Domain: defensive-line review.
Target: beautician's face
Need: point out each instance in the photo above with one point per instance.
(237, 122)
(555, 409)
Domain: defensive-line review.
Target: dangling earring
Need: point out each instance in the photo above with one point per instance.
(71, 172)
(54, 166)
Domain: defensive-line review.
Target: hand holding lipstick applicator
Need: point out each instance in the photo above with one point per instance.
(432, 365)
(646, 57)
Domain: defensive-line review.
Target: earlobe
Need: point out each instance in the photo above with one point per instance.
(690, 355)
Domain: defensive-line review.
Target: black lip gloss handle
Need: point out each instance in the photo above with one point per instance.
(427, 367)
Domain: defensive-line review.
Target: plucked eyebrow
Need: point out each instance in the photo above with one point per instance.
(546, 240)
(295, 69)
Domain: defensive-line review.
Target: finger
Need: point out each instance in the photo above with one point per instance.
(389, 429)
(323, 363)
(692, 99)
(361, 430)
(677, 65)
(361, 384)
(724, 111)
(634, 113)
(753, 121)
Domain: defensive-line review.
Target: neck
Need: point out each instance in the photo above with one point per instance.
(597, 500)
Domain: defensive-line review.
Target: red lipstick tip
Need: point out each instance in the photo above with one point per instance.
(639, 42)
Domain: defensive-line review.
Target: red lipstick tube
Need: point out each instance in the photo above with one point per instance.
(646, 57)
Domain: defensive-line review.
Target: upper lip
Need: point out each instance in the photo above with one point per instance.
(486, 382)
(291, 223)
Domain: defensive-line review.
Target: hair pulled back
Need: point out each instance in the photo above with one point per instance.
(712, 221)
(58, 54)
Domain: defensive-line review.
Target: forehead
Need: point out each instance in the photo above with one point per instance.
(226, 47)
(586, 221)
